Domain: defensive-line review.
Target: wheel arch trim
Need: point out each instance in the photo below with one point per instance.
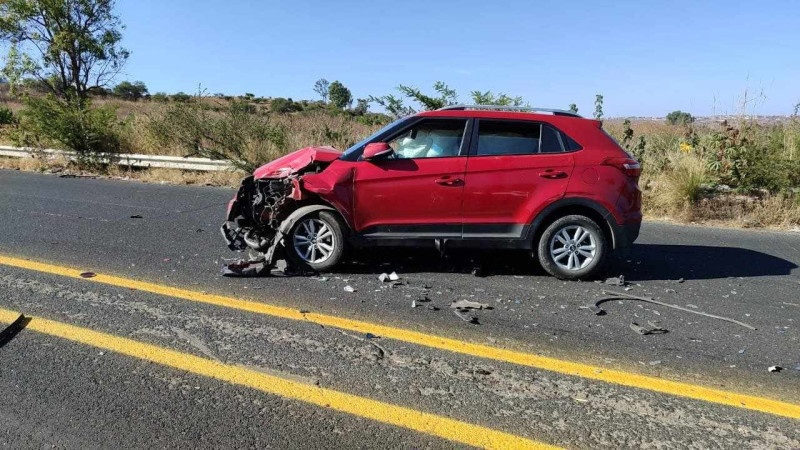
(551, 212)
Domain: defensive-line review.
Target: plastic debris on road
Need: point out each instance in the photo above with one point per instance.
(467, 304)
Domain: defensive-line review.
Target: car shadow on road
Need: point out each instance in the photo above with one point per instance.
(642, 262)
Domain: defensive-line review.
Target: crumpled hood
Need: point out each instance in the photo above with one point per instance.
(296, 161)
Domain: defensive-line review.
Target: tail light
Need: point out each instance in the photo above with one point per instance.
(628, 166)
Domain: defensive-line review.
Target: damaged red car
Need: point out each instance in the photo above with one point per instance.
(547, 181)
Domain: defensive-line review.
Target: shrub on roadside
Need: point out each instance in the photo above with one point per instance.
(284, 105)
(71, 125)
(679, 118)
(237, 134)
(6, 116)
(682, 184)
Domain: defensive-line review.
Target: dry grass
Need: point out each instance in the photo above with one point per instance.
(62, 166)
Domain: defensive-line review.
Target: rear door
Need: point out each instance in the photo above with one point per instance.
(515, 168)
(418, 192)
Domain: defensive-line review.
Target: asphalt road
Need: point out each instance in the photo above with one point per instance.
(68, 394)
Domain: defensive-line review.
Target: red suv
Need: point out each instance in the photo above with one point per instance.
(543, 180)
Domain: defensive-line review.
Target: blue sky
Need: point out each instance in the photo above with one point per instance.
(645, 57)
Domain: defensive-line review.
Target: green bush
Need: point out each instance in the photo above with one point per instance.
(284, 105)
(72, 125)
(160, 97)
(6, 116)
(237, 133)
(181, 97)
(679, 118)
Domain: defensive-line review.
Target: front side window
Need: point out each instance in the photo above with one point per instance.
(355, 151)
(430, 139)
(499, 138)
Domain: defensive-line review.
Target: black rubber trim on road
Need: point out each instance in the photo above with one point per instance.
(13, 329)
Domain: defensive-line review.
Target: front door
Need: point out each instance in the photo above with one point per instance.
(417, 191)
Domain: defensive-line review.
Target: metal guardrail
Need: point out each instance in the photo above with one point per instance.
(130, 160)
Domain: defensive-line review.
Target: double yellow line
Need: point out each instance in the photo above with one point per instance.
(433, 341)
(442, 427)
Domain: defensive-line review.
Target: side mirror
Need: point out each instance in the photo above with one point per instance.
(376, 151)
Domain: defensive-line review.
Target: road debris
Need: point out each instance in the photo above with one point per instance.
(466, 317)
(774, 369)
(468, 304)
(655, 363)
(137, 216)
(644, 331)
(245, 268)
(349, 288)
(13, 329)
(616, 281)
(623, 296)
(88, 275)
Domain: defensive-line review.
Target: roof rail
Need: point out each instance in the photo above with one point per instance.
(533, 109)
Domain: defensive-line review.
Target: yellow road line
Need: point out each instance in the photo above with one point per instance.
(442, 343)
(427, 423)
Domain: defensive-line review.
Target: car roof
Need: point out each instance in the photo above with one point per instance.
(507, 115)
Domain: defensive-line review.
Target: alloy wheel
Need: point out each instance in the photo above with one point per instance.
(573, 247)
(313, 241)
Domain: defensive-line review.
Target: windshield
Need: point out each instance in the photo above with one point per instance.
(352, 153)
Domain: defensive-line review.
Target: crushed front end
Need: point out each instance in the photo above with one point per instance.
(266, 199)
(255, 212)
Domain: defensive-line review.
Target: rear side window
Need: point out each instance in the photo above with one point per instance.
(551, 140)
(497, 137)
(570, 144)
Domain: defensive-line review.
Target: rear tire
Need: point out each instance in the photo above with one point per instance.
(573, 247)
(316, 242)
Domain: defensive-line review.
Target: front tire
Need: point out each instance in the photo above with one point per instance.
(573, 247)
(316, 242)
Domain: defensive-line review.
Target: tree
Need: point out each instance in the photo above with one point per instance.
(182, 97)
(679, 118)
(488, 98)
(573, 107)
(393, 105)
(446, 96)
(321, 87)
(362, 106)
(340, 96)
(70, 46)
(160, 97)
(598, 106)
(284, 105)
(130, 91)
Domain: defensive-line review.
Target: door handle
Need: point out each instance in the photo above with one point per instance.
(448, 181)
(553, 174)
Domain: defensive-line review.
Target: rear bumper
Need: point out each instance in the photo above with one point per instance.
(626, 234)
